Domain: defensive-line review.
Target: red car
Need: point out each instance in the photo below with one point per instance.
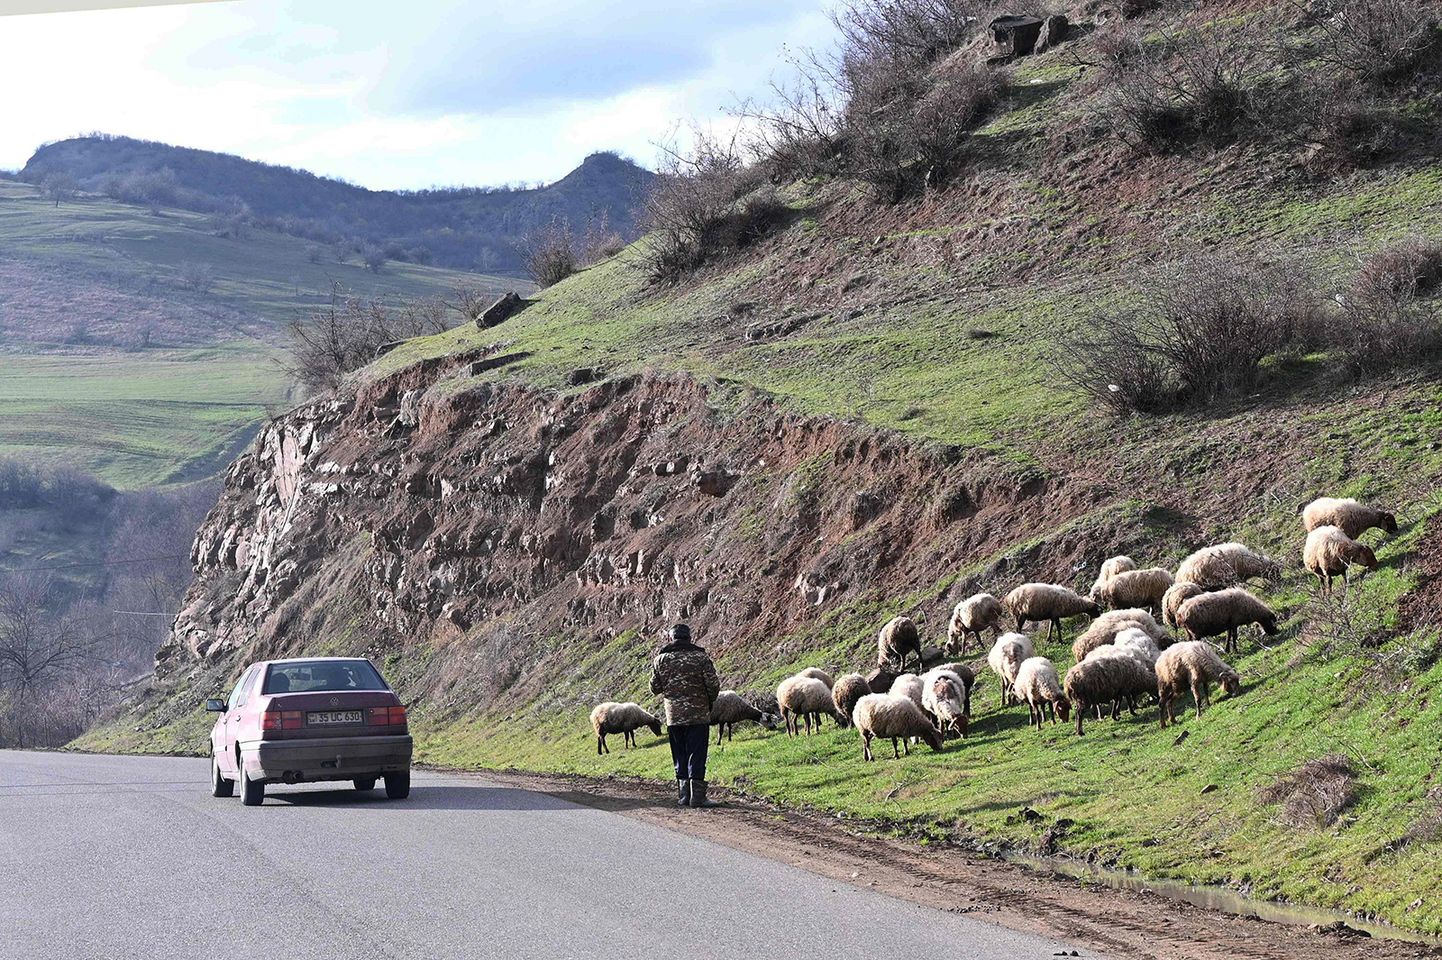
(307, 720)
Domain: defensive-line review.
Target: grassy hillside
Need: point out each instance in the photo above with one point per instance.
(937, 317)
(142, 346)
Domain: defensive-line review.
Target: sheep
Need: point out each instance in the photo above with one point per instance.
(1138, 641)
(1110, 568)
(968, 679)
(907, 685)
(730, 709)
(1329, 551)
(804, 697)
(1176, 595)
(1223, 612)
(849, 689)
(895, 718)
(1135, 588)
(1225, 565)
(816, 673)
(944, 697)
(622, 718)
(1354, 518)
(1103, 630)
(1193, 664)
(1039, 687)
(1006, 656)
(1098, 680)
(971, 618)
(1048, 603)
(881, 679)
(897, 641)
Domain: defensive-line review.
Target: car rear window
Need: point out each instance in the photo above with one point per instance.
(307, 675)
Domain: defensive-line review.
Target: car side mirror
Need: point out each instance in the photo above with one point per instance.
(215, 705)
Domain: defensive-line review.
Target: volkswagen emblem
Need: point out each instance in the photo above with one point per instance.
(335, 701)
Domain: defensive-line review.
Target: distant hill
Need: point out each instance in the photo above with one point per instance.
(468, 228)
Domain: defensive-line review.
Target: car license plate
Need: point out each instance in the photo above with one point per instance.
(334, 716)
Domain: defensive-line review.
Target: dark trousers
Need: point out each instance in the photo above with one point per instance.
(689, 744)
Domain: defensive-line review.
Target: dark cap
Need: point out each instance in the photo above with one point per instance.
(681, 632)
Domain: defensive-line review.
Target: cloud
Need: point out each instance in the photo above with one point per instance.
(430, 92)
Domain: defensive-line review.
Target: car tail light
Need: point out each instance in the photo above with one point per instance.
(282, 720)
(386, 716)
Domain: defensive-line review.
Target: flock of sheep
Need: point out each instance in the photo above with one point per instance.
(1124, 653)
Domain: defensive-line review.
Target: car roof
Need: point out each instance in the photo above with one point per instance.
(315, 660)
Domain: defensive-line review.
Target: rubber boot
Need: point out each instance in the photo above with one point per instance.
(683, 793)
(698, 795)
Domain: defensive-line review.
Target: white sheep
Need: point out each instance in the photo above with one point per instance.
(1103, 630)
(623, 718)
(816, 673)
(971, 618)
(1139, 641)
(1226, 564)
(1135, 588)
(1005, 657)
(1039, 687)
(804, 698)
(1110, 568)
(1048, 603)
(907, 685)
(1194, 665)
(881, 715)
(1329, 551)
(1352, 517)
(944, 697)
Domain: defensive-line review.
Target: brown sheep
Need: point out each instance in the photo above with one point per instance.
(1097, 681)
(1329, 551)
(848, 690)
(1194, 665)
(971, 618)
(1135, 588)
(1176, 595)
(1048, 603)
(898, 640)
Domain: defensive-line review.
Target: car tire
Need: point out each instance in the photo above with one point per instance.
(398, 785)
(365, 783)
(219, 785)
(252, 792)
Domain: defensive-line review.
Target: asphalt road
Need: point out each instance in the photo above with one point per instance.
(110, 857)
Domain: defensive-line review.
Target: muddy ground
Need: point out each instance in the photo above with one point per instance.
(1117, 923)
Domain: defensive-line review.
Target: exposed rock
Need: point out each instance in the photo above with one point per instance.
(500, 311)
(1014, 35)
(1054, 31)
(583, 375)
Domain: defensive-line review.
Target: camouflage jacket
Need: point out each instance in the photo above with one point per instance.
(686, 677)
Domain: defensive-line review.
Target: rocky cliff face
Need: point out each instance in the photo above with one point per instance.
(499, 534)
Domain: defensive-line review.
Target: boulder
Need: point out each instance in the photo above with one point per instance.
(500, 311)
(1015, 35)
(1053, 31)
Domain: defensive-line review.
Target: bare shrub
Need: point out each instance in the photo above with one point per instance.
(374, 258)
(1316, 793)
(600, 241)
(1388, 320)
(550, 254)
(345, 335)
(1199, 332)
(707, 202)
(199, 277)
(799, 131)
(1403, 271)
(1181, 88)
(1379, 42)
(905, 32)
(1342, 127)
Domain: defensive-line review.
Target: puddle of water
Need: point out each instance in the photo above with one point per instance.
(1220, 899)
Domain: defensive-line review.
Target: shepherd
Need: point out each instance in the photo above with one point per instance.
(685, 676)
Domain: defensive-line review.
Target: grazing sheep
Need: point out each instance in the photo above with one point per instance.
(1225, 565)
(1329, 551)
(1354, 518)
(1176, 595)
(1135, 588)
(816, 673)
(907, 685)
(1194, 665)
(1038, 686)
(1223, 612)
(944, 697)
(971, 618)
(622, 718)
(897, 641)
(1047, 603)
(849, 689)
(880, 715)
(1005, 657)
(730, 709)
(881, 679)
(1104, 629)
(1107, 677)
(967, 675)
(1138, 641)
(1110, 568)
(804, 697)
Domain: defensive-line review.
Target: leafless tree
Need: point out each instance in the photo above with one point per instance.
(550, 254)
(346, 333)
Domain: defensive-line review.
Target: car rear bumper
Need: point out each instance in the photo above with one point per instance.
(333, 758)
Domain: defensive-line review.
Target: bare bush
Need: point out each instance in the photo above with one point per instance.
(1341, 126)
(346, 334)
(1316, 793)
(550, 254)
(199, 277)
(1400, 272)
(799, 131)
(1163, 93)
(600, 241)
(1379, 42)
(1199, 332)
(374, 258)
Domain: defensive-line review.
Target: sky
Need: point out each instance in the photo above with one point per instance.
(393, 95)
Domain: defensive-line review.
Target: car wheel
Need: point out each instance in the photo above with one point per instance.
(398, 785)
(365, 783)
(219, 785)
(252, 792)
